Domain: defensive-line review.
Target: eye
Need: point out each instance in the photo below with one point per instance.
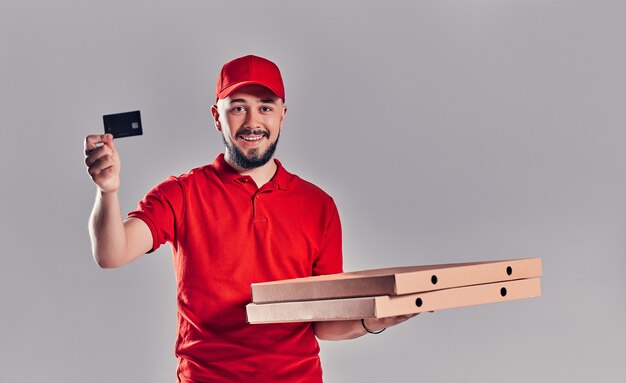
(266, 109)
(238, 109)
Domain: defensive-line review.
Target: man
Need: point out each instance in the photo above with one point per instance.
(240, 220)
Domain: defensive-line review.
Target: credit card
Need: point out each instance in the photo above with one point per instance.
(123, 124)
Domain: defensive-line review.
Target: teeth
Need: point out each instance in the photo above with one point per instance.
(251, 138)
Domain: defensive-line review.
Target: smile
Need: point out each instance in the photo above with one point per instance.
(251, 138)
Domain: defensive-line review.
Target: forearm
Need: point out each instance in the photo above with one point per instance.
(106, 229)
(339, 330)
(350, 329)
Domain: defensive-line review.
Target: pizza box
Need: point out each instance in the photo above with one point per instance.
(388, 306)
(394, 281)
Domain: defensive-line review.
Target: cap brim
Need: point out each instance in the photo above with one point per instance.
(233, 87)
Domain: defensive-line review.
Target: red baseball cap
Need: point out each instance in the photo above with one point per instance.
(248, 70)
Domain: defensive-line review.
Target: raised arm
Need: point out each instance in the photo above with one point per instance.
(114, 241)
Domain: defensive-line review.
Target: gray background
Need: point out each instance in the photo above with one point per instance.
(447, 131)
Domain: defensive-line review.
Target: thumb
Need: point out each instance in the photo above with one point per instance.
(107, 139)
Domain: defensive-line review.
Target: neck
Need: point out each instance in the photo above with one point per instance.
(261, 175)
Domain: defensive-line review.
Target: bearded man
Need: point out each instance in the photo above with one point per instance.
(242, 219)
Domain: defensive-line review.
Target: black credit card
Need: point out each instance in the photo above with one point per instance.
(123, 124)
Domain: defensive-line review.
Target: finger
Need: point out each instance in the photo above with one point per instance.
(97, 153)
(102, 175)
(107, 179)
(94, 141)
(399, 319)
(101, 163)
(392, 321)
(107, 139)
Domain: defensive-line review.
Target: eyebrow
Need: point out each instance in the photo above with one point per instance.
(262, 101)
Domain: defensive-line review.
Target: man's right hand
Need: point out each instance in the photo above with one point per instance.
(103, 162)
(115, 242)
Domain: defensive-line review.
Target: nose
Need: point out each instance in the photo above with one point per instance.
(252, 120)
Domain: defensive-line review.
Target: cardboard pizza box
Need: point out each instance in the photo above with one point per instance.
(387, 306)
(394, 281)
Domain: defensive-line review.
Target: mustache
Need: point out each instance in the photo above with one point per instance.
(242, 132)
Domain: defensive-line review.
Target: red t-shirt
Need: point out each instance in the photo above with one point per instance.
(225, 234)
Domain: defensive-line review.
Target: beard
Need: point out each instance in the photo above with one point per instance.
(254, 159)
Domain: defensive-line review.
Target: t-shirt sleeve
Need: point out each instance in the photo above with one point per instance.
(162, 209)
(330, 257)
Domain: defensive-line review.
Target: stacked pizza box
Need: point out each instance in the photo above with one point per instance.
(381, 293)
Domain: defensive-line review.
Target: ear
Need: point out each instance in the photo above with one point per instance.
(216, 118)
(282, 117)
